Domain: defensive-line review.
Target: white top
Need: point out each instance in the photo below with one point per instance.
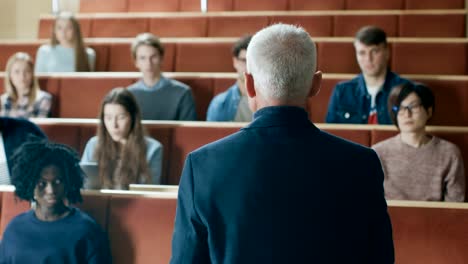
(60, 59)
(373, 91)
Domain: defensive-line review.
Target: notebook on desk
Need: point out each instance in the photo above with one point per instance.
(91, 169)
(154, 188)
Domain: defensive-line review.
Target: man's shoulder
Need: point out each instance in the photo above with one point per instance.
(354, 82)
(135, 86)
(221, 145)
(221, 97)
(174, 84)
(341, 144)
(9, 123)
(46, 48)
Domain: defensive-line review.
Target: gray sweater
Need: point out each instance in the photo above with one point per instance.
(167, 100)
(432, 172)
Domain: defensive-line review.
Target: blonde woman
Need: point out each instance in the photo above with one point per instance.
(66, 52)
(23, 97)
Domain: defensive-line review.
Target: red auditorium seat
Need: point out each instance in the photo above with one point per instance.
(128, 229)
(235, 26)
(118, 27)
(199, 136)
(260, 5)
(73, 93)
(336, 57)
(153, 6)
(318, 105)
(421, 57)
(202, 90)
(45, 27)
(213, 6)
(374, 5)
(450, 103)
(316, 26)
(216, 57)
(435, 4)
(190, 26)
(93, 6)
(120, 57)
(348, 25)
(316, 5)
(437, 26)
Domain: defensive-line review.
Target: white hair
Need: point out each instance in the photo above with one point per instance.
(282, 60)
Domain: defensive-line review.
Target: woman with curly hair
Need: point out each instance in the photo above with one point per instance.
(23, 97)
(48, 175)
(66, 51)
(123, 153)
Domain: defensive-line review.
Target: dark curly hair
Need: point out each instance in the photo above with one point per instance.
(33, 156)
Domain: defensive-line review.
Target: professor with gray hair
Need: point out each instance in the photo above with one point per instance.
(280, 190)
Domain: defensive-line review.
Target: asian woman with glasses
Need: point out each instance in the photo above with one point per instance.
(419, 166)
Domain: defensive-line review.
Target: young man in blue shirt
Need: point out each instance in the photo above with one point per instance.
(232, 105)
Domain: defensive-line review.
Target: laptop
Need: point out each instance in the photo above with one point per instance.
(91, 170)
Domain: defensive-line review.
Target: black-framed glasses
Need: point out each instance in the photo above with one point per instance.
(412, 109)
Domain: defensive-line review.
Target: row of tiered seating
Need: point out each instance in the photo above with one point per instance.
(423, 232)
(140, 226)
(335, 55)
(180, 138)
(73, 91)
(429, 23)
(92, 6)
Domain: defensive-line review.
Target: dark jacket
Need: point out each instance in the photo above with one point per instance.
(15, 132)
(282, 191)
(350, 102)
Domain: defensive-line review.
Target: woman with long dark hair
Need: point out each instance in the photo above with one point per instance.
(123, 154)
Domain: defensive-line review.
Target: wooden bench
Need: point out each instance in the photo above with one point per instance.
(92, 6)
(140, 225)
(74, 90)
(180, 138)
(396, 23)
(335, 55)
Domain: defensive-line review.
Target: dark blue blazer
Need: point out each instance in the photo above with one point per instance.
(15, 132)
(282, 191)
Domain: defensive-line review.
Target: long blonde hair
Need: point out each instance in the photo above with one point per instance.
(81, 57)
(10, 88)
(134, 167)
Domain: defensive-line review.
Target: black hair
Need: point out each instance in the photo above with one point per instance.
(399, 93)
(371, 35)
(33, 156)
(240, 45)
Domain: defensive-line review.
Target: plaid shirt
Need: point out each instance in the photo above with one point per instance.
(40, 108)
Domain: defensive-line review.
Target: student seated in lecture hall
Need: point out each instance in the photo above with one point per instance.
(66, 51)
(159, 97)
(363, 100)
(123, 153)
(48, 175)
(232, 105)
(419, 166)
(23, 97)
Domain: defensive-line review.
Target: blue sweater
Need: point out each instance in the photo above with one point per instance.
(77, 238)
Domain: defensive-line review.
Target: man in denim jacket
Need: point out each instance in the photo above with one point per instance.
(232, 105)
(363, 100)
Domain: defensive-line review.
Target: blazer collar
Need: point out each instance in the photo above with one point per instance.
(280, 116)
